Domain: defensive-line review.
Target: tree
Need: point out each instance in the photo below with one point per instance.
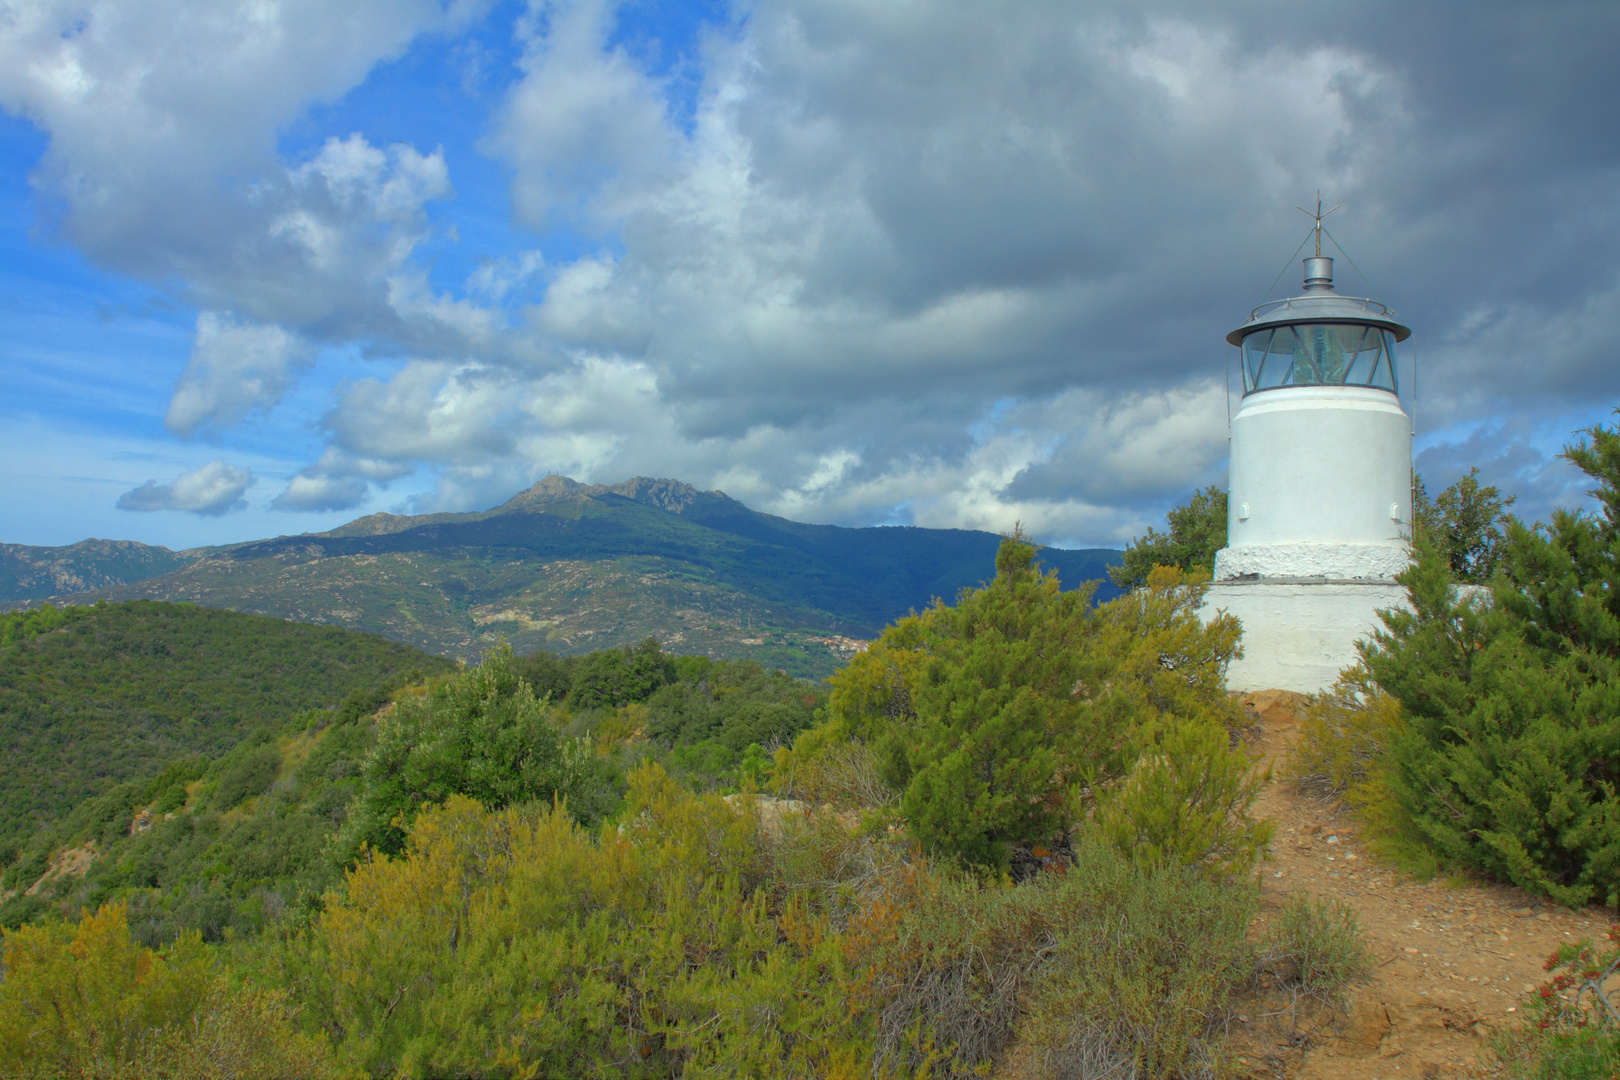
(1466, 523)
(1197, 532)
(609, 678)
(1509, 761)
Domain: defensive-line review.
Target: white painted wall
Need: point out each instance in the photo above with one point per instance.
(1322, 465)
(1299, 636)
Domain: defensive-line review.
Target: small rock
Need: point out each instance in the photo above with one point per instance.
(1366, 1023)
(1333, 839)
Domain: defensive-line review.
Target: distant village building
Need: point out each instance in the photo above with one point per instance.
(1320, 495)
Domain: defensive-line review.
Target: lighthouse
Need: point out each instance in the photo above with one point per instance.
(1320, 490)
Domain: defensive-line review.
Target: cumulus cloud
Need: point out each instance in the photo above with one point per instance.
(149, 106)
(954, 264)
(162, 159)
(234, 368)
(338, 481)
(214, 489)
(584, 122)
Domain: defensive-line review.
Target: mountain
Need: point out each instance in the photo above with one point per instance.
(569, 567)
(94, 695)
(34, 573)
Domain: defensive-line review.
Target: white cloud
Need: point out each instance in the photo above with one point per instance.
(234, 369)
(950, 263)
(212, 490)
(316, 493)
(148, 106)
(583, 124)
(338, 481)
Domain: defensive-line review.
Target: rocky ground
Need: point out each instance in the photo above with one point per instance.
(1450, 962)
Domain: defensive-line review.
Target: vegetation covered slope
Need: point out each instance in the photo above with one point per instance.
(91, 696)
(570, 568)
(242, 840)
(34, 573)
(510, 927)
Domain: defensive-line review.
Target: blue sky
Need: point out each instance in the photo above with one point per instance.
(265, 268)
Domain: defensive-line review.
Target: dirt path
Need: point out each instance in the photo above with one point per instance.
(1450, 963)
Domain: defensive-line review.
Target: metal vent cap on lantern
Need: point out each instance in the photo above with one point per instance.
(1319, 338)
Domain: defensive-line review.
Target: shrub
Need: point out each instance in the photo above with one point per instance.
(609, 678)
(735, 703)
(481, 734)
(515, 943)
(1186, 803)
(249, 772)
(1571, 1025)
(1509, 757)
(1344, 736)
(1126, 967)
(994, 718)
(1197, 532)
(1466, 524)
(82, 1000)
(1314, 946)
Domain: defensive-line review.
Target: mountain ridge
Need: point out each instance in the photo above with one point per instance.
(571, 567)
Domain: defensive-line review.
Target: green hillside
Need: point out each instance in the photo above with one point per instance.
(92, 696)
(570, 568)
(241, 839)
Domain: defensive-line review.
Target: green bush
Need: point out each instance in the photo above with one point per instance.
(1108, 969)
(1315, 946)
(734, 703)
(514, 943)
(1345, 734)
(690, 941)
(1509, 757)
(97, 696)
(995, 719)
(482, 734)
(82, 1000)
(608, 678)
(1186, 802)
(1466, 524)
(249, 774)
(1197, 532)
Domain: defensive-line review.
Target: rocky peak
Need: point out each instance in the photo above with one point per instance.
(669, 495)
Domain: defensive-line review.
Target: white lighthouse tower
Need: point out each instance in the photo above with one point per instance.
(1320, 504)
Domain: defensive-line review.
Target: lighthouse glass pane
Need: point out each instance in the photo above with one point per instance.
(1318, 354)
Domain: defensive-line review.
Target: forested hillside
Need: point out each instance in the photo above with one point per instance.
(96, 695)
(245, 839)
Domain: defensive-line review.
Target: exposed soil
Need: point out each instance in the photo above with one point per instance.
(1451, 963)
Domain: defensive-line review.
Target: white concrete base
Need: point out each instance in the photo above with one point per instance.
(1373, 561)
(1298, 635)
